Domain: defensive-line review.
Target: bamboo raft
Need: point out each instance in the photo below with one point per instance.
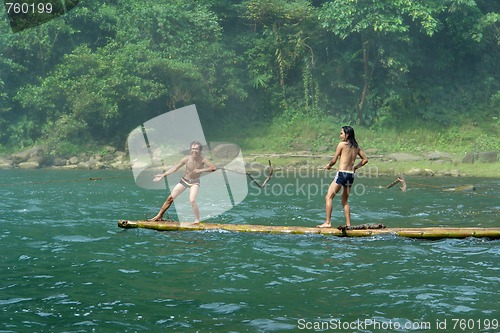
(424, 233)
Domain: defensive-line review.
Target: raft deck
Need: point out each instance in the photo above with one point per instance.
(425, 233)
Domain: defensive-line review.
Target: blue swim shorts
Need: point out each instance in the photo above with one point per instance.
(344, 178)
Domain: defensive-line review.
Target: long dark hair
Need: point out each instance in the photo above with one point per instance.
(351, 138)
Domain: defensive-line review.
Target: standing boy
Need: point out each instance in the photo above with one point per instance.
(347, 151)
(195, 165)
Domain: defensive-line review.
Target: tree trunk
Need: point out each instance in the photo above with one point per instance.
(367, 77)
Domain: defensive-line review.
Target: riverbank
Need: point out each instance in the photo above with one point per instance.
(36, 158)
(484, 164)
(479, 164)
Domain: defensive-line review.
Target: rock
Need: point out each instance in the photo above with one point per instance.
(120, 156)
(428, 172)
(110, 149)
(488, 157)
(69, 167)
(25, 155)
(29, 165)
(433, 156)
(5, 163)
(420, 172)
(59, 161)
(74, 160)
(43, 160)
(121, 165)
(226, 150)
(485, 157)
(83, 156)
(452, 173)
(19, 157)
(95, 164)
(404, 157)
(83, 165)
(438, 156)
(468, 158)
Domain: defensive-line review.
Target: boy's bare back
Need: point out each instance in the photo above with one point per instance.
(348, 155)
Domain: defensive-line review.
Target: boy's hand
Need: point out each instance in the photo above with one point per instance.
(158, 177)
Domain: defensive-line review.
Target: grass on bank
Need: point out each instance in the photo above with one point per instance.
(320, 135)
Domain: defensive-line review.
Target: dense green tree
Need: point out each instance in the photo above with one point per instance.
(390, 46)
(379, 33)
(106, 66)
(158, 57)
(280, 54)
(24, 58)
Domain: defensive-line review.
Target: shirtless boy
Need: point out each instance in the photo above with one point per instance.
(195, 165)
(347, 151)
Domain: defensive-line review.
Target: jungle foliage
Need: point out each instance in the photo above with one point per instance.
(107, 66)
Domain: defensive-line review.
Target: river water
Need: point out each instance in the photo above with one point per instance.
(66, 266)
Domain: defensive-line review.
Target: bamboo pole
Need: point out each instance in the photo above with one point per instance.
(424, 233)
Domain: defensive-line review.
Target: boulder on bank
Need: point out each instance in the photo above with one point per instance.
(5, 163)
(404, 157)
(420, 172)
(73, 161)
(484, 157)
(33, 154)
(226, 150)
(29, 165)
(438, 156)
(451, 173)
(58, 161)
(488, 157)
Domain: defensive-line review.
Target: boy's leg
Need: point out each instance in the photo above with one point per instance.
(345, 204)
(178, 189)
(332, 191)
(193, 192)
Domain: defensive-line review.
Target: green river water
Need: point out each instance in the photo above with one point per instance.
(66, 266)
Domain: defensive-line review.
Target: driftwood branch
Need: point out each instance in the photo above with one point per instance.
(401, 180)
(266, 180)
(271, 170)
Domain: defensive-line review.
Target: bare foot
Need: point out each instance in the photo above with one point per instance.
(156, 218)
(324, 225)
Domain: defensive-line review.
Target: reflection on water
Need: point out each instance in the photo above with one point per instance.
(66, 266)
